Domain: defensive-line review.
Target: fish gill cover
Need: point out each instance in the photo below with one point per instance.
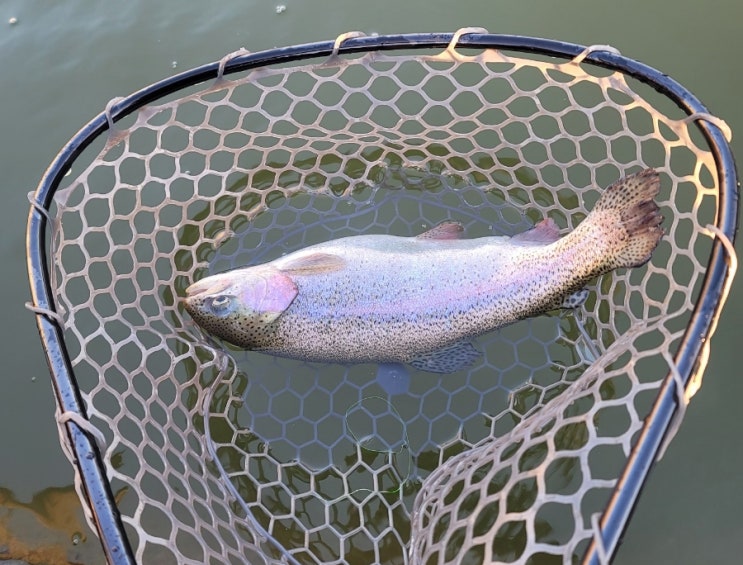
(216, 454)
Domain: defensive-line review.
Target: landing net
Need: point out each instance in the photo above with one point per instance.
(209, 454)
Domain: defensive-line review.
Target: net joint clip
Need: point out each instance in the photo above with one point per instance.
(451, 49)
(719, 123)
(39, 207)
(593, 49)
(85, 425)
(47, 312)
(227, 58)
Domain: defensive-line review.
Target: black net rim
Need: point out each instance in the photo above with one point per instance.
(616, 516)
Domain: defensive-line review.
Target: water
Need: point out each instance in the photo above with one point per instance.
(62, 63)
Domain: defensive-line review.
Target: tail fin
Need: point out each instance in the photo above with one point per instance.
(628, 214)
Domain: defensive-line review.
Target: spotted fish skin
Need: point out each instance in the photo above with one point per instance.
(384, 298)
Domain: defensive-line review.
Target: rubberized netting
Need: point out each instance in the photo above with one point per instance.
(220, 455)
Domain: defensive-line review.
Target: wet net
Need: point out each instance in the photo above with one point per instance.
(210, 454)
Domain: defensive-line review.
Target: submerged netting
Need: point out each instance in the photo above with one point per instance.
(218, 455)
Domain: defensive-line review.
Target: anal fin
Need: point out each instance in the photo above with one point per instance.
(575, 300)
(449, 359)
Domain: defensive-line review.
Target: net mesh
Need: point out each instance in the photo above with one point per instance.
(219, 455)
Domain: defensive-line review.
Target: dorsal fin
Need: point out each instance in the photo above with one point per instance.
(544, 233)
(314, 264)
(445, 230)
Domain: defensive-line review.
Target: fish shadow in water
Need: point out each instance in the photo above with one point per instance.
(300, 409)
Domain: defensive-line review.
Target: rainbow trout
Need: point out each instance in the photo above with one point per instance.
(420, 300)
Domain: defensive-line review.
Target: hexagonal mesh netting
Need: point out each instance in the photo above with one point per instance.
(220, 455)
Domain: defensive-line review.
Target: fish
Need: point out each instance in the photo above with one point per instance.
(421, 300)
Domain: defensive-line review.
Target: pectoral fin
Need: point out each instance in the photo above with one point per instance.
(448, 359)
(313, 264)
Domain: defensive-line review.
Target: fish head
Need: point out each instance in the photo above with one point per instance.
(240, 306)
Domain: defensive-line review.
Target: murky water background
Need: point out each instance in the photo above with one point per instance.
(61, 63)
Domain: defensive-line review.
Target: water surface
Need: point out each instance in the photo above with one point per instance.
(63, 62)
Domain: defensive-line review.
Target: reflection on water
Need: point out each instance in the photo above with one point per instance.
(290, 428)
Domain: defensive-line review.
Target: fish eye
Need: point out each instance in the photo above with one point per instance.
(221, 305)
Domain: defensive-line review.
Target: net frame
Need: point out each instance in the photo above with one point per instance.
(689, 362)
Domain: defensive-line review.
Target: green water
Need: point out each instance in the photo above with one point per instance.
(62, 62)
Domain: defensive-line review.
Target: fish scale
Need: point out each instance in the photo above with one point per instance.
(420, 300)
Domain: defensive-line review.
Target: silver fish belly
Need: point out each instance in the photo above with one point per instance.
(418, 300)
